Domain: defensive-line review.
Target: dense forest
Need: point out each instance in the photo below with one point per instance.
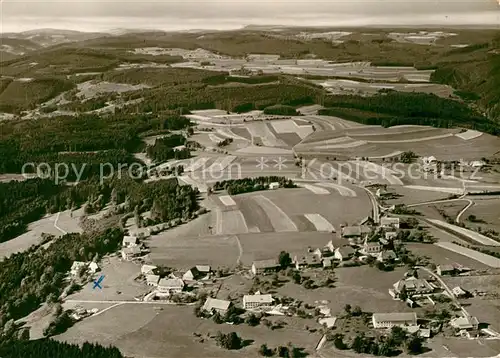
(164, 148)
(84, 141)
(281, 110)
(48, 348)
(390, 108)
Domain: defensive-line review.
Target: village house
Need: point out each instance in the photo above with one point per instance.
(386, 256)
(389, 320)
(389, 223)
(129, 253)
(213, 305)
(344, 253)
(257, 301)
(465, 322)
(371, 248)
(152, 280)
(148, 269)
(199, 272)
(93, 267)
(130, 241)
(327, 262)
(460, 292)
(264, 266)
(412, 286)
(443, 270)
(169, 286)
(306, 261)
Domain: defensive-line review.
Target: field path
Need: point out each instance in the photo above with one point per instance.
(457, 220)
(279, 220)
(344, 191)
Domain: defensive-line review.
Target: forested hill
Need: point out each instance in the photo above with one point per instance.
(475, 72)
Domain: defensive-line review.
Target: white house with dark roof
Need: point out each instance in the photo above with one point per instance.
(257, 301)
(389, 320)
(466, 322)
(443, 270)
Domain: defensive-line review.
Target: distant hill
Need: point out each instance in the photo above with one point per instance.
(51, 37)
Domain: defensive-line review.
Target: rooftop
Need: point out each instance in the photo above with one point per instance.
(214, 303)
(395, 317)
(171, 282)
(262, 264)
(258, 298)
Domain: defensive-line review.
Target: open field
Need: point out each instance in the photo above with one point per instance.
(441, 255)
(485, 283)
(481, 239)
(352, 286)
(475, 255)
(231, 222)
(118, 283)
(341, 87)
(151, 333)
(319, 222)
(279, 220)
(485, 209)
(376, 141)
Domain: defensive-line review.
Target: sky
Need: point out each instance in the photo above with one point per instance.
(102, 15)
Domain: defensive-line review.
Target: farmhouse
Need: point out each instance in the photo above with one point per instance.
(152, 280)
(477, 163)
(355, 231)
(129, 253)
(306, 261)
(257, 301)
(387, 255)
(412, 286)
(213, 305)
(327, 262)
(263, 266)
(169, 286)
(443, 270)
(344, 253)
(129, 241)
(466, 322)
(93, 267)
(459, 292)
(389, 223)
(199, 272)
(389, 320)
(148, 269)
(371, 248)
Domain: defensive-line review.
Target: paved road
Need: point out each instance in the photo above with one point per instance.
(375, 206)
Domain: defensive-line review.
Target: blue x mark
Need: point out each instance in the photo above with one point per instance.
(98, 282)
